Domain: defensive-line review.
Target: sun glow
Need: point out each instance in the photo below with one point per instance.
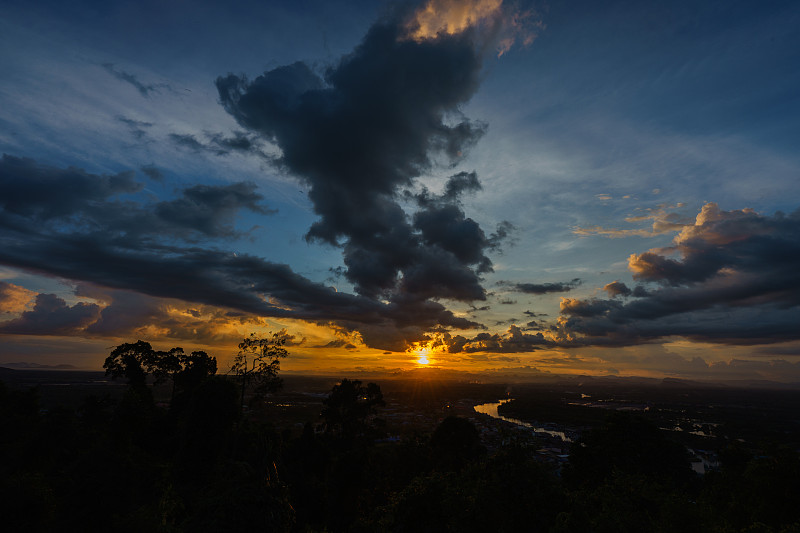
(422, 354)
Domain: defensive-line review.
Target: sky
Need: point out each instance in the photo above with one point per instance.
(504, 188)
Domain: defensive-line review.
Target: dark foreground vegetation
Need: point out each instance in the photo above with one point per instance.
(204, 460)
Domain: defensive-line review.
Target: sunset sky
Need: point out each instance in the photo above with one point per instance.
(499, 187)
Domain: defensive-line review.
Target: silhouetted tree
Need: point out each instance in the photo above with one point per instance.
(130, 360)
(196, 368)
(258, 362)
(348, 406)
(165, 365)
(136, 360)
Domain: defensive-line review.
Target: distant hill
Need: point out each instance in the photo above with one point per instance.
(36, 366)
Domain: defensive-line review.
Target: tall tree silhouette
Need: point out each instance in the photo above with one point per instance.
(258, 362)
(348, 406)
(130, 360)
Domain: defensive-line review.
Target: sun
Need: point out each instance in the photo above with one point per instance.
(423, 354)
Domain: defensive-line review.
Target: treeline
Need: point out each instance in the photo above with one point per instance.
(202, 464)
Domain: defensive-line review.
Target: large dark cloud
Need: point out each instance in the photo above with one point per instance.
(361, 132)
(358, 135)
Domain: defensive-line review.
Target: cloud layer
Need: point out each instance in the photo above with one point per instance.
(95, 228)
(731, 277)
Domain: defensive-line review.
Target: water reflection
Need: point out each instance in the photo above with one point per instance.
(491, 410)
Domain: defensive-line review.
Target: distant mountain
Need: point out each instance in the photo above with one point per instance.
(36, 366)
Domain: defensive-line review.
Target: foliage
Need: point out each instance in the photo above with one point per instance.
(130, 360)
(195, 369)
(257, 363)
(202, 465)
(135, 361)
(348, 405)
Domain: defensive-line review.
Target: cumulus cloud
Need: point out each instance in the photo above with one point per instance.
(51, 316)
(360, 132)
(507, 24)
(513, 340)
(617, 288)
(730, 277)
(13, 298)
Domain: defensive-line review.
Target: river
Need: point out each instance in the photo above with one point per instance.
(491, 410)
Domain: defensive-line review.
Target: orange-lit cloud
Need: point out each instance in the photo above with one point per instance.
(506, 24)
(664, 220)
(14, 299)
(449, 17)
(723, 227)
(712, 229)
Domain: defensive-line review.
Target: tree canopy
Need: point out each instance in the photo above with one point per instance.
(135, 361)
(257, 363)
(349, 404)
